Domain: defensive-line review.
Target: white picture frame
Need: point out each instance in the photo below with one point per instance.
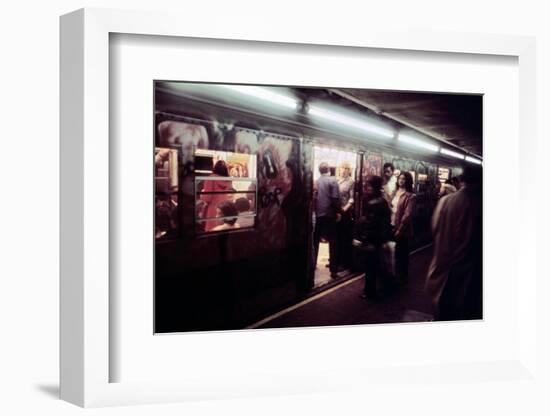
(85, 355)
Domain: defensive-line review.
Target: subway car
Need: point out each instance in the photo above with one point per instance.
(234, 173)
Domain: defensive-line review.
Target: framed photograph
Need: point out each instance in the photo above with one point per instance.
(218, 196)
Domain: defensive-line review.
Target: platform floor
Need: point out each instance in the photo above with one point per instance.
(342, 304)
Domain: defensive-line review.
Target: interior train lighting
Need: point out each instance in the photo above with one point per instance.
(451, 153)
(413, 141)
(350, 121)
(265, 94)
(473, 160)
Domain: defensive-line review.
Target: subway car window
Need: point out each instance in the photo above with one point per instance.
(225, 191)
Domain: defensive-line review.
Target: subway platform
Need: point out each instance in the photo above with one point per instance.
(342, 304)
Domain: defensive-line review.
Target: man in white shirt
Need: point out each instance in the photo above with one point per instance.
(390, 182)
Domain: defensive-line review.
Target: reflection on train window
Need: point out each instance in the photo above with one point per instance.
(166, 193)
(225, 191)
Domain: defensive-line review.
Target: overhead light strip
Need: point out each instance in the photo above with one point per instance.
(473, 160)
(350, 121)
(417, 142)
(451, 153)
(264, 94)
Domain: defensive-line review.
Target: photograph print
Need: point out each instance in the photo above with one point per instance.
(286, 207)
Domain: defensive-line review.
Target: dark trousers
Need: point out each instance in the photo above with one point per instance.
(372, 272)
(326, 227)
(402, 258)
(462, 295)
(344, 231)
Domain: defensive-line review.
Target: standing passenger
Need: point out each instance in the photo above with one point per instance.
(389, 181)
(345, 226)
(372, 231)
(327, 214)
(454, 277)
(403, 204)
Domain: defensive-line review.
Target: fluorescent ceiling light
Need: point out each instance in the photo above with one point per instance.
(473, 160)
(350, 121)
(417, 143)
(265, 94)
(451, 153)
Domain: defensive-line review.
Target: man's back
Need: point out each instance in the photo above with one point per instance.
(456, 227)
(328, 194)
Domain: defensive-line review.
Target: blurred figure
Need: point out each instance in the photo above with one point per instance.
(228, 210)
(372, 231)
(212, 199)
(454, 281)
(454, 181)
(447, 188)
(403, 204)
(345, 226)
(389, 182)
(459, 182)
(165, 216)
(327, 214)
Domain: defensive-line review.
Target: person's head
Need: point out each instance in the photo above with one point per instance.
(228, 209)
(345, 170)
(220, 168)
(388, 170)
(459, 181)
(323, 168)
(405, 181)
(374, 186)
(242, 204)
(454, 182)
(472, 175)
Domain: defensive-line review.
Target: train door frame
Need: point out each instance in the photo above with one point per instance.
(358, 191)
(357, 195)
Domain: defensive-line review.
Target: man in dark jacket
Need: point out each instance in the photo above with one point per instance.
(372, 231)
(454, 281)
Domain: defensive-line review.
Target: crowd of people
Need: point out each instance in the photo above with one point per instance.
(383, 232)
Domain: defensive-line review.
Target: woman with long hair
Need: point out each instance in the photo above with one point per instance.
(403, 204)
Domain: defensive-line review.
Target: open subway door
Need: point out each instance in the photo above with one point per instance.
(343, 167)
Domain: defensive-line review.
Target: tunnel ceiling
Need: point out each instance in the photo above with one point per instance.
(456, 118)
